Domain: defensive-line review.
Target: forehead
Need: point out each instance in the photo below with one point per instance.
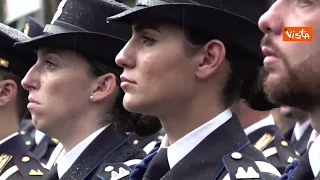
(159, 26)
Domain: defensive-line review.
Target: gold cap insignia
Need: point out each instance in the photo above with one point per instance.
(26, 29)
(4, 63)
(35, 173)
(4, 160)
(264, 141)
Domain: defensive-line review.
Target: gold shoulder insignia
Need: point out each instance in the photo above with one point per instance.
(264, 141)
(35, 173)
(4, 160)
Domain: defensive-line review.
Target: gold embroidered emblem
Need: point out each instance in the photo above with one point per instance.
(4, 160)
(264, 141)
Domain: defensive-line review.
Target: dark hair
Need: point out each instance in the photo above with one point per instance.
(22, 94)
(243, 68)
(142, 125)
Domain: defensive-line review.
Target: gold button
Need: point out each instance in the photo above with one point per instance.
(28, 143)
(25, 159)
(22, 132)
(160, 137)
(290, 159)
(55, 140)
(135, 142)
(284, 143)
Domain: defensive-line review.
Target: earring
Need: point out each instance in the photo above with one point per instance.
(91, 98)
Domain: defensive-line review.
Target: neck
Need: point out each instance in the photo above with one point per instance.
(189, 116)
(9, 124)
(315, 119)
(303, 119)
(76, 130)
(251, 117)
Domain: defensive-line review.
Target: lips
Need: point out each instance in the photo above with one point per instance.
(124, 79)
(31, 100)
(267, 51)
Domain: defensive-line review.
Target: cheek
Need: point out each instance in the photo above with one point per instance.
(66, 90)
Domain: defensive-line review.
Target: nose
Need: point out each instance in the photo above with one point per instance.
(31, 80)
(126, 57)
(271, 22)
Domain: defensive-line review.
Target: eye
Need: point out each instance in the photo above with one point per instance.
(304, 2)
(148, 41)
(49, 64)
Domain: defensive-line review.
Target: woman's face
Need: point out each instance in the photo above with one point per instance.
(59, 86)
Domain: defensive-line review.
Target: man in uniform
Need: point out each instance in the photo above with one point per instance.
(293, 66)
(16, 161)
(266, 136)
(187, 70)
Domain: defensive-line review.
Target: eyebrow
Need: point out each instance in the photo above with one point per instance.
(140, 27)
(45, 51)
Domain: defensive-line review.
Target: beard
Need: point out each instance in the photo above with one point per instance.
(298, 85)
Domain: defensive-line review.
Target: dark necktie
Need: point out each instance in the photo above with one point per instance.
(53, 174)
(158, 167)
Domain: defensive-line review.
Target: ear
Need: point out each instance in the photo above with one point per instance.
(104, 87)
(8, 91)
(213, 55)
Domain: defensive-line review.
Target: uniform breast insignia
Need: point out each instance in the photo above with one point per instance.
(250, 174)
(264, 141)
(30, 168)
(117, 171)
(37, 172)
(4, 160)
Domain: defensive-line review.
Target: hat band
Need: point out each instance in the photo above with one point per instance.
(62, 27)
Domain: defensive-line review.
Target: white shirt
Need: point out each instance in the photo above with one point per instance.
(38, 136)
(268, 121)
(64, 160)
(299, 129)
(8, 137)
(186, 144)
(314, 153)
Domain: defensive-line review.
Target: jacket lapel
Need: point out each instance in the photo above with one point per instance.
(99, 149)
(205, 160)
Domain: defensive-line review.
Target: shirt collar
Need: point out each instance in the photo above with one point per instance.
(66, 159)
(38, 136)
(268, 121)
(299, 129)
(186, 144)
(314, 155)
(8, 137)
